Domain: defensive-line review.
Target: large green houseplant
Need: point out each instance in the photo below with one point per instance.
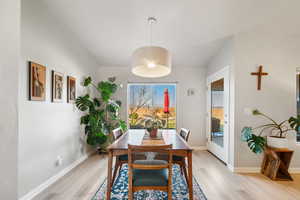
(272, 132)
(101, 113)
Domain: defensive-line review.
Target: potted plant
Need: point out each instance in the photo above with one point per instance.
(101, 114)
(272, 134)
(153, 128)
(153, 122)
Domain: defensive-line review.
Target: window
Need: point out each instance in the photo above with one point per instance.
(149, 101)
(298, 100)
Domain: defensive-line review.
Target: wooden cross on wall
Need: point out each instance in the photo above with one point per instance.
(259, 74)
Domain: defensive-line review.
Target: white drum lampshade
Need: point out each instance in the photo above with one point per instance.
(151, 62)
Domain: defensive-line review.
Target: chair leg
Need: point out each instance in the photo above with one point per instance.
(121, 165)
(170, 192)
(130, 189)
(130, 195)
(181, 169)
(117, 165)
(185, 172)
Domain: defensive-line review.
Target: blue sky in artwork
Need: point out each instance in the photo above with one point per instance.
(153, 92)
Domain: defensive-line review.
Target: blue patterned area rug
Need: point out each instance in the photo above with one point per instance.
(180, 189)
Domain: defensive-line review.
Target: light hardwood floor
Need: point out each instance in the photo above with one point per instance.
(216, 181)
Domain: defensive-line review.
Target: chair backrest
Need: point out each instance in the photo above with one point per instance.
(133, 149)
(185, 133)
(117, 133)
(149, 165)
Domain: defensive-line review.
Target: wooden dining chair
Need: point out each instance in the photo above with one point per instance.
(185, 134)
(117, 133)
(180, 160)
(121, 159)
(149, 174)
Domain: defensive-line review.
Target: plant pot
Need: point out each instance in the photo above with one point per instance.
(277, 142)
(153, 133)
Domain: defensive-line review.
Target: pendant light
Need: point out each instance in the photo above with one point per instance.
(151, 61)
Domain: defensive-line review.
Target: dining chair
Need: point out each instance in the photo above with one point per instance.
(121, 159)
(180, 160)
(149, 174)
(117, 133)
(185, 133)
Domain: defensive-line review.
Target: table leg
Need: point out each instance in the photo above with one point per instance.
(109, 175)
(190, 174)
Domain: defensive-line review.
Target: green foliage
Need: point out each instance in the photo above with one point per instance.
(101, 114)
(95, 139)
(295, 123)
(123, 125)
(246, 133)
(153, 121)
(106, 89)
(83, 103)
(256, 143)
(87, 81)
(97, 102)
(256, 112)
(85, 119)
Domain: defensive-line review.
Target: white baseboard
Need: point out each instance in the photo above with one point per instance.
(256, 169)
(30, 195)
(294, 170)
(230, 167)
(200, 148)
(246, 169)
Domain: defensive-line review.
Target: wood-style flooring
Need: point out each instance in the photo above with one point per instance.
(216, 181)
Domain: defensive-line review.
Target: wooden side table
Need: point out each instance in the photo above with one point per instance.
(276, 163)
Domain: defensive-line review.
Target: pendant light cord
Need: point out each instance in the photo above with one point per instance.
(151, 21)
(151, 29)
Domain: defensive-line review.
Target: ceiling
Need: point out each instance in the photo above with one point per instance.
(193, 30)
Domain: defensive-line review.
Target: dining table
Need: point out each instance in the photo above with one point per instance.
(139, 137)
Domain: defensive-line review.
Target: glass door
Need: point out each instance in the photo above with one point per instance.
(217, 114)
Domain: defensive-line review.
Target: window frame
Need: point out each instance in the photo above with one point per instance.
(152, 83)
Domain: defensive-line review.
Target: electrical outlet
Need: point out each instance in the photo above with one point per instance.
(59, 160)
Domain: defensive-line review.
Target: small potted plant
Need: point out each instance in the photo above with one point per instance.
(152, 127)
(153, 122)
(272, 134)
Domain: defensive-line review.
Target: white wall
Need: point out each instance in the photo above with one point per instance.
(48, 129)
(9, 70)
(223, 58)
(278, 51)
(190, 109)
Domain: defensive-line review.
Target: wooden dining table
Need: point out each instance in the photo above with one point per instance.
(137, 137)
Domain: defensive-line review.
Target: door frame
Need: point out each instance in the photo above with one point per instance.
(213, 148)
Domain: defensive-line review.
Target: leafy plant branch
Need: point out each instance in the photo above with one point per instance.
(257, 142)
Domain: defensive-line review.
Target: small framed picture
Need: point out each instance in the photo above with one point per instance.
(71, 89)
(37, 82)
(57, 87)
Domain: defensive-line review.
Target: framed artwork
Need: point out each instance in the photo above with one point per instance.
(37, 82)
(71, 89)
(57, 86)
